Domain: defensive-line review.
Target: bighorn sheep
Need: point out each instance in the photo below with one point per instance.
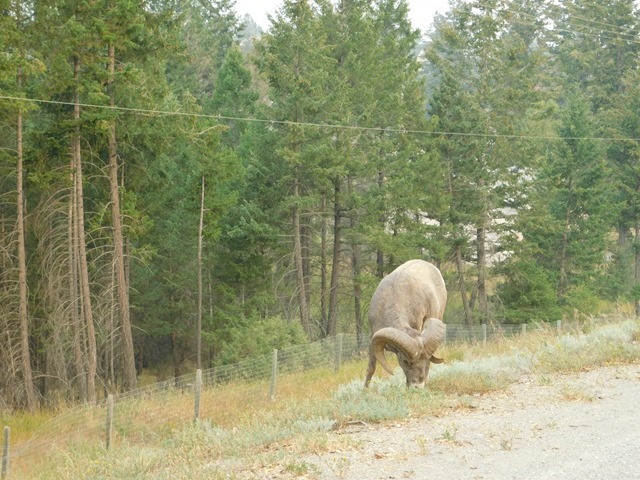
(406, 318)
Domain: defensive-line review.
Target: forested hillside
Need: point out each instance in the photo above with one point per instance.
(178, 189)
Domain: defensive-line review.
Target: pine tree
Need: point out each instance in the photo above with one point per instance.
(623, 120)
(573, 238)
(597, 48)
(294, 58)
(18, 65)
(484, 83)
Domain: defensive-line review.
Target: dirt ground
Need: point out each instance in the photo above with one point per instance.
(579, 426)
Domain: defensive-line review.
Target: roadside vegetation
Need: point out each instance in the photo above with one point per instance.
(247, 435)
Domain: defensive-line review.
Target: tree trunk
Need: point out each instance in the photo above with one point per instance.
(324, 322)
(463, 289)
(457, 252)
(357, 287)
(128, 356)
(112, 386)
(212, 352)
(563, 284)
(305, 238)
(82, 250)
(177, 356)
(79, 352)
(297, 255)
(636, 276)
(199, 327)
(562, 261)
(335, 268)
(623, 236)
(481, 250)
(381, 219)
(23, 312)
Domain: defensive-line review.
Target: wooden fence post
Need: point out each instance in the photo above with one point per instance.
(5, 452)
(198, 392)
(484, 334)
(559, 326)
(524, 328)
(109, 421)
(274, 373)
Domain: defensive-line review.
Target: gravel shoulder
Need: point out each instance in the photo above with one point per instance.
(577, 426)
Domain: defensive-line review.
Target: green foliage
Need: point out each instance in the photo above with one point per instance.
(527, 293)
(580, 299)
(498, 127)
(253, 336)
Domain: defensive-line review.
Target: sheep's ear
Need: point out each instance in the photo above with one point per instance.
(435, 359)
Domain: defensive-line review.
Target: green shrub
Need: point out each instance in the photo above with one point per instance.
(383, 400)
(252, 337)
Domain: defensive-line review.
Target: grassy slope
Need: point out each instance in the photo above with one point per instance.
(242, 431)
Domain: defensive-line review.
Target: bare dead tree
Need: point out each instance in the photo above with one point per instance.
(86, 307)
(129, 369)
(23, 312)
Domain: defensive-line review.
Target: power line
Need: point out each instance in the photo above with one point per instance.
(597, 36)
(588, 5)
(587, 28)
(218, 117)
(592, 30)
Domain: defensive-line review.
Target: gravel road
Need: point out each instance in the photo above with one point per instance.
(579, 426)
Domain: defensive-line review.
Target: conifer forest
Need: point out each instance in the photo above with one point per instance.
(181, 189)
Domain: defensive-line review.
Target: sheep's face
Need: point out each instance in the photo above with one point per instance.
(416, 370)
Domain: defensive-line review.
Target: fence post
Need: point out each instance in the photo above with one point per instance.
(198, 391)
(5, 452)
(274, 372)
(559, 326)
(109, 420)
(338, 350)
(484, 334)
(444, 337)
(524, 328)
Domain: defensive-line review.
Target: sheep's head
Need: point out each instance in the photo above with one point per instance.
(415, 352)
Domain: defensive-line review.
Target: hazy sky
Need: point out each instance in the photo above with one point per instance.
(421, 11)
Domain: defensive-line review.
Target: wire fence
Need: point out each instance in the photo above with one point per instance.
(143, 414)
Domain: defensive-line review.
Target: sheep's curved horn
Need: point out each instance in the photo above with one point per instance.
(401, 340)
(432, 336)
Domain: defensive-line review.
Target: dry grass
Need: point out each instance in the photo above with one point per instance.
(577, 394)
(242, 429)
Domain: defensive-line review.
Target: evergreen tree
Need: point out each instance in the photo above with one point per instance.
(484, 81)
(295, 60)
(597, 48)
(624, 122)
(572, 236)
(20, 61)
(209, 29)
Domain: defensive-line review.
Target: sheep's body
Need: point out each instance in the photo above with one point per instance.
(405, 316)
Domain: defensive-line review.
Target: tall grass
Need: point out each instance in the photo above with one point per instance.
(243, 431)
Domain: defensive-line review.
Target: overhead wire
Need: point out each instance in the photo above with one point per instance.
(584, 3)
(588, 25)
(156, 112)
(153, 112)
(579, 28)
